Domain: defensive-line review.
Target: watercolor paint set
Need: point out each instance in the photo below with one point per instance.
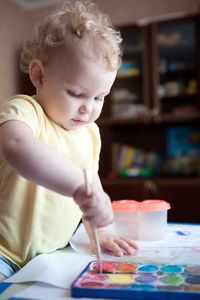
(123, 280)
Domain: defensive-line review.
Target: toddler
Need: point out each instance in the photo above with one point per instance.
(47, 139)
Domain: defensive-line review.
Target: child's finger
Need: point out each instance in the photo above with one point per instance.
(123, 245)
(113, 247)
(130, 243)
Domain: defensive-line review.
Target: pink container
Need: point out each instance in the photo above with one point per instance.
(146, 220)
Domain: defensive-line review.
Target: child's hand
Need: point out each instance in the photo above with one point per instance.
(118, 245)
(97, 207)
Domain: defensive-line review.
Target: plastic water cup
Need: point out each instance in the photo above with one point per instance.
(125, 218)
(152, 219)
(145, 220)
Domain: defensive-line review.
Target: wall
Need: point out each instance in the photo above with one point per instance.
(16, 23)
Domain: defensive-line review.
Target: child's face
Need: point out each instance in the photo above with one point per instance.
(73, 88)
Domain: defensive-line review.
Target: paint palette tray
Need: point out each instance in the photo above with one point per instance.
(121, 280)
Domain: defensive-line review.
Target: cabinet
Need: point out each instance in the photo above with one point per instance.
(155, 99)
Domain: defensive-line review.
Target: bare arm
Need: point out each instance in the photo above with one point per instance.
(35, 160)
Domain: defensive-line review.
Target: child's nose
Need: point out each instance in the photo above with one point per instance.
(86, 107)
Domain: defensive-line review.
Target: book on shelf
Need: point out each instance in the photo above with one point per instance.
(129, 161)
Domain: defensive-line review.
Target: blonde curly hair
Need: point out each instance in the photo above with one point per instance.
(80, 20)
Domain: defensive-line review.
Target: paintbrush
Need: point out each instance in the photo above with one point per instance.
(94, 230)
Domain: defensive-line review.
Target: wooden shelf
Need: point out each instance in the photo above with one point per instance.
(164, 181)
(169, 117)
(165, 118)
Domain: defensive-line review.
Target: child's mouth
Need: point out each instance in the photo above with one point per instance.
(79, 122)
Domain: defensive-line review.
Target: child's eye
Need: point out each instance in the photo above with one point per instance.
(99, 98)
(74, 94)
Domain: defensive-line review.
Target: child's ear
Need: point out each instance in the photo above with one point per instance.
(36, 73)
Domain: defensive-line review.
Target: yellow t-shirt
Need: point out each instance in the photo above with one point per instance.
(33, 219)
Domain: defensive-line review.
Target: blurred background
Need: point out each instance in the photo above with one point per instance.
(150, 124)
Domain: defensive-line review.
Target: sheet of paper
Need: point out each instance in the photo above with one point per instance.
(178, 235)
(58, 269)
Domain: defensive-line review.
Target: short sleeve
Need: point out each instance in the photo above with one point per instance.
(22, 108)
